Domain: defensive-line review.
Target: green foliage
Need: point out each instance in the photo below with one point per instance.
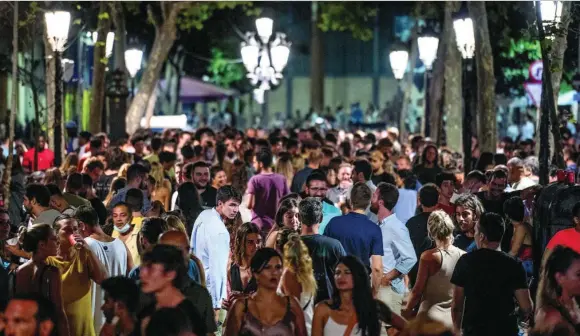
(197, 13)
(223, 72)
(31, 14)
(103, 16)
(354, 17)
(515, 62)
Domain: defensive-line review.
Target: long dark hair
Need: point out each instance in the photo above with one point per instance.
(286, 205)
(189, 203)
(424, 156)
(364, 304)
(558, 261)
(240, 243)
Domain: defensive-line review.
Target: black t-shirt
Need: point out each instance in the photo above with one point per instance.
(208, 197)
(197, 323)
(426, 175)
(417, 226)
(384, 177)
(103, 184)
(325, 252)
(489, 279)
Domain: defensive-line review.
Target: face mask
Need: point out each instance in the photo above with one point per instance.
(124, 229)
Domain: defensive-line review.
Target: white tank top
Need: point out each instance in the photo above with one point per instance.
(331, 328)
(113, 256)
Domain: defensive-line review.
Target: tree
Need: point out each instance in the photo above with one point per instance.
(453, 84)
(486, 109)
(353, 17)
(173, 15)
(7, 179)
(100, 62)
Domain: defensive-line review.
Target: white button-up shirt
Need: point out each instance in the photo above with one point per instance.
(398, 250)
(210, 242)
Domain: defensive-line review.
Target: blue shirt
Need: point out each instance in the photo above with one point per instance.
(406, 205)
(398, 250)
(329, 211)
(210, 242)
(358, 235)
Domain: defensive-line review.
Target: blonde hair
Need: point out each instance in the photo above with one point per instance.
(440, 225)
(174, 223)
(297, 260)
(157, 174)
(123, 170)
(284, 168)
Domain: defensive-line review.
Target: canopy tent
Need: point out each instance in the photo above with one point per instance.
(194, 90)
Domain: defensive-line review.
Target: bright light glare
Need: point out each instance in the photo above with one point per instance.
(428, 50)
(57, 26)
(465, 37)
(399, 60)
(133, 59)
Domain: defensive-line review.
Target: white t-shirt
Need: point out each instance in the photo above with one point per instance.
(113, 256)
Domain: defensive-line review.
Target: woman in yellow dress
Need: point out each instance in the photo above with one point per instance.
(78, 266)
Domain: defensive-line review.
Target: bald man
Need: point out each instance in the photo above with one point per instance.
(181, 241)
(192, 289)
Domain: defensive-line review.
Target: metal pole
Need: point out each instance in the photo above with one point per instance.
(58, 135)
(466, 80)
(427, 114)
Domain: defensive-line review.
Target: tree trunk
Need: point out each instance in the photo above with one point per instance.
(413, 55)
(316, 62)
(118, 16)
(547, 105)
(437, 84)
(50, 82)
(151, 107)
(99, 67)
(452, 89)
(487, 130)
(164, 38)
(3, 94)
(7, 178)
(559, 46)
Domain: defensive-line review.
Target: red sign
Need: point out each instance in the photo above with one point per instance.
(536, 70)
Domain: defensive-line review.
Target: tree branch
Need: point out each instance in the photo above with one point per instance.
(151, 17)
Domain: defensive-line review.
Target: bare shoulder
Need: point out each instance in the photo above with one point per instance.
(430, 256)
(323, 308)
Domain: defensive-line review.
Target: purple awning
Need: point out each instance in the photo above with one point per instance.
(194, 90)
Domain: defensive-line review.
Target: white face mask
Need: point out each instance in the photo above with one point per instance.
(124, 229)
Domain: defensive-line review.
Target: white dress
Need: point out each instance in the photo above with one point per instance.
(113, 256)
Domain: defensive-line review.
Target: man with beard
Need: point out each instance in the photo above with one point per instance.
(210, 242)
(199, 174)
(37, 204)
(468, 210)
(316, 186)
(398, 252)
(137, 178)
(29, 315)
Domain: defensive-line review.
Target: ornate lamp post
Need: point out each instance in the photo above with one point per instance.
(110, 41)
(551, 14)
(265, 56)
(399, 58)
(133, 59)
(117, 93)
(465, 38)
(57, 26)
(427, 42)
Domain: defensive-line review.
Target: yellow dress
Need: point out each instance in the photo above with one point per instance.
(76, 291)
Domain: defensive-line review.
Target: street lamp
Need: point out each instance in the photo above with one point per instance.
(265, 55)
(57, 26)
(133, 59)
(399, 58)
(428, 43)
(551, 12)
(110, 41)
(465, 37)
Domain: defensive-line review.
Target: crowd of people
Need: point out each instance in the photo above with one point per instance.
(291, 232)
